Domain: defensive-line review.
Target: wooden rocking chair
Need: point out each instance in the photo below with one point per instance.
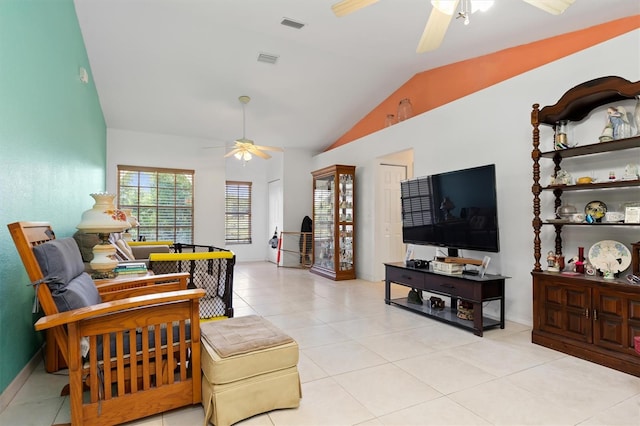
(137, 352)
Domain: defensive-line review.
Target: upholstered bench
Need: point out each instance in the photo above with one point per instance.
(249, 367)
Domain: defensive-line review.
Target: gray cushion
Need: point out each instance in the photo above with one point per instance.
(143, 252)
(80, 292)
(59, 258)
(62, 267)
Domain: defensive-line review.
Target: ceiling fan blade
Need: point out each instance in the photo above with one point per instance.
(346, 7)
(233, 151)
(435, 29)
(555, 7)
(269, 148)
(253, 150)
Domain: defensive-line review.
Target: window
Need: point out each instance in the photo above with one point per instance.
(237, 214)
(161, 199)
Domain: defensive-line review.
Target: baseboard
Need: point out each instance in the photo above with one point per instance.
(16, 384)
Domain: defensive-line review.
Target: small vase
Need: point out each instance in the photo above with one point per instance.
(390, 120)
(561, 135)
(580, 261)
(405, 110)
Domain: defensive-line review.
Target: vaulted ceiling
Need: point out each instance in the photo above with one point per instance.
(178, 66)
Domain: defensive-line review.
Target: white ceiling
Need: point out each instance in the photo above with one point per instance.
(178, 66)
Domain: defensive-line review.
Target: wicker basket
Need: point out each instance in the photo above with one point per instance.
(465, 310)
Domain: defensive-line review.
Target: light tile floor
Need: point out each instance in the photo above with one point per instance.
(363, 362)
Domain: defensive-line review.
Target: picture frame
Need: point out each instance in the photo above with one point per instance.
(483, 267)
(632, 214)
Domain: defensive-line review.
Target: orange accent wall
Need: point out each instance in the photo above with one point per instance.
(433, 88)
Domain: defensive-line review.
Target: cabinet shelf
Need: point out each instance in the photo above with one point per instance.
(593, 186)
(596, 148)
(597, 224)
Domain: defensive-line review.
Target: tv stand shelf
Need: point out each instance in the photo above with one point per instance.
(472, 288)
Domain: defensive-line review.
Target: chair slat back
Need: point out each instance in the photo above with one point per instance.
(27, 235)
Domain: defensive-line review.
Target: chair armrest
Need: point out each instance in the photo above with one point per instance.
(120, 288)
(138, 280)
(145, 301)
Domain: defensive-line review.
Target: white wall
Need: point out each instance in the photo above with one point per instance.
(152, 150)
(298, 186)
(259, 172)
(490, 126)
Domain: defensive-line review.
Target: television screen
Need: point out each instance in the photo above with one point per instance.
(456, 209)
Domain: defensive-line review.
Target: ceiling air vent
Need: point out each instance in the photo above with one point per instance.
(291, 23)
(267, 58)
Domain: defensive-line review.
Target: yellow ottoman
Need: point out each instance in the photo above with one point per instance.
(249, 367)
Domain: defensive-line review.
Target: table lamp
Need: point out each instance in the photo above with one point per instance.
(133, 223)
(103, 219)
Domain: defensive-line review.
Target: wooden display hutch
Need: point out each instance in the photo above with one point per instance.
(585, 316)
(334, 222)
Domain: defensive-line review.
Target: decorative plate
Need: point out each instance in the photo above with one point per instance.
(609, 255)
(595, 209)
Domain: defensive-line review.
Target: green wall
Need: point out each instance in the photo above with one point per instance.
(52, 150)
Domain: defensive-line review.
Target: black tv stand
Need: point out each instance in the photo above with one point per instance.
(472, 288)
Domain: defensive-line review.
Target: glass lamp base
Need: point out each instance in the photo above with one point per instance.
(104, 261)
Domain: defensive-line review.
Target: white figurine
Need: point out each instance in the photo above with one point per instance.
(617, 126)
(630, 172)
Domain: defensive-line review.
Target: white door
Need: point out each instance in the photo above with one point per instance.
(275, 215)
(389, 226)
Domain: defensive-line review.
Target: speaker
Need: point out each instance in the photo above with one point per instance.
(418, 263)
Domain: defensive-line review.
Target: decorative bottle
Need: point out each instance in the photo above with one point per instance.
(405, 110)
(561, 135)
(580, 261)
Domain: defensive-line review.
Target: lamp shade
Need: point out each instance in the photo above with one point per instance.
(133, 221)
(103, 217)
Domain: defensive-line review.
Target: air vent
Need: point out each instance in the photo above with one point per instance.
(291, 23)
(268, 58)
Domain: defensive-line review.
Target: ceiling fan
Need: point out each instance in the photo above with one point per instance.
(443, 11)
(244, 148)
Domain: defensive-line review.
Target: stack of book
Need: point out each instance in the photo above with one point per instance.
(131, 268)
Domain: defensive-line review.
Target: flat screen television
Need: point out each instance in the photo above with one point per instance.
(456, 210)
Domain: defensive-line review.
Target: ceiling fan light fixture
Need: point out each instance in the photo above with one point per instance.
(243, 155)
(449, 6)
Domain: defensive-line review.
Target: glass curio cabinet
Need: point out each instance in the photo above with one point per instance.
(334, 222)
